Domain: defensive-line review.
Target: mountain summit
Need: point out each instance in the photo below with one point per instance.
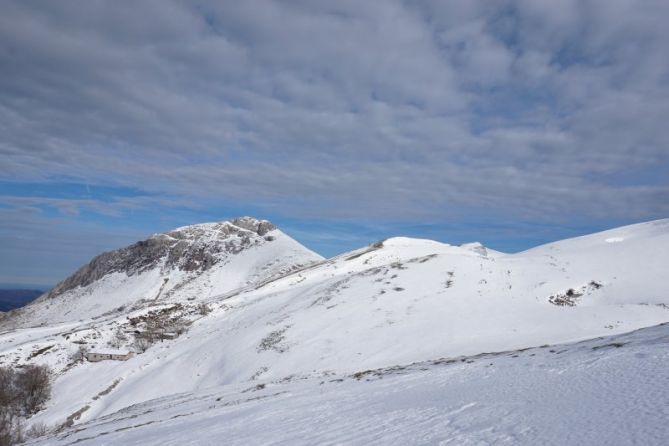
(189, 248)
(198, 261)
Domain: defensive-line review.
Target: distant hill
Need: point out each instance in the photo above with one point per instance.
(11, 299)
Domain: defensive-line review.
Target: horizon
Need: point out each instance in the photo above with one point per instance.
(509, 123)
(45, 286)
(21, 286)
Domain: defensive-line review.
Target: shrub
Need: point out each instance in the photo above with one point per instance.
(79, 355)
(142, 344)
(11, 431)
(37, 430)
(34, 387)
(8, 395)
(118, 339)
(203, 309)
(10, 427)
(22, 393)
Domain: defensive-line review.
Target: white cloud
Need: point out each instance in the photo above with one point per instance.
(338, 109)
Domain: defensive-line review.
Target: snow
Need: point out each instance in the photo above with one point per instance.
(613, 390)
(281, 313)
(117, 292)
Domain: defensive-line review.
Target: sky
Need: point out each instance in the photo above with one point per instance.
(512, 123)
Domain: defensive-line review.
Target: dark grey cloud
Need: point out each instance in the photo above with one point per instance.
(390, 110)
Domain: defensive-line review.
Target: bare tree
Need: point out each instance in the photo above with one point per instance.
(11, 430)
(119, 338)
(10, 426)
(22, 393)
(38, 430)
(80, 354)
(8, 393)
(142, 344)
(34, 387)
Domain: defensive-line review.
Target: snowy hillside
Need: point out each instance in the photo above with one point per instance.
(192, 262)
(612, 390)
(255, 307)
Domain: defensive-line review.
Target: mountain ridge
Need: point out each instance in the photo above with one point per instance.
(275, 310)
(176, 259)
(144, 254)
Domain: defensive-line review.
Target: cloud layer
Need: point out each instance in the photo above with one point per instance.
(525, 111)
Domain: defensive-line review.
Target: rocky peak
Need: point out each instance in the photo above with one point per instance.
(260, 227)
(189, 248)
(475, 247)
(206, 231)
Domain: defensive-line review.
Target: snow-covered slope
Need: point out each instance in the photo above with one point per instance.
(612, 390)
(394, 302)
(193, 262)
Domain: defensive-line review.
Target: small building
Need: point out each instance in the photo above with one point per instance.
(97, 355)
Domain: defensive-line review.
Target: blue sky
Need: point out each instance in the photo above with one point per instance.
(512, 123)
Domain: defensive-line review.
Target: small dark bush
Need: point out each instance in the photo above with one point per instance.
(203, 309)
(23, 392)
(34, 387)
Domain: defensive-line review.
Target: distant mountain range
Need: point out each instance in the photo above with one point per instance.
(12, 299)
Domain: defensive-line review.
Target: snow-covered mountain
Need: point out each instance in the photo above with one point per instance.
(193, 262)
(257, 309)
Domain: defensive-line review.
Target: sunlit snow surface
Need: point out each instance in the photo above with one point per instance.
(613, 390)
(395, 303)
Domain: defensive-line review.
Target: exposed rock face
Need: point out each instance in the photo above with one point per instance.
(476, 247)
(190, 248)
(260, 227)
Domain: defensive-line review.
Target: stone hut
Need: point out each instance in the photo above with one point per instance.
(96, 355)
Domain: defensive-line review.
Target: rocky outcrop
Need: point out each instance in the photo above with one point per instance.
(190, 248)
(260, 227)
